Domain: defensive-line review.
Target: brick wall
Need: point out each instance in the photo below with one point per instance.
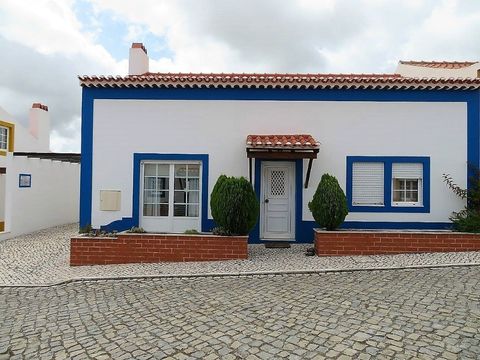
(337, 243)
(150, 248)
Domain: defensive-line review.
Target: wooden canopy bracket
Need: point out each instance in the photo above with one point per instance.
(250, 170)
(309, 169)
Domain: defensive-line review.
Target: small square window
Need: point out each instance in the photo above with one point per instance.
(407, 184)
(406, 191)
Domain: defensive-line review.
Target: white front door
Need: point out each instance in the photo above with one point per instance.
(277, 217)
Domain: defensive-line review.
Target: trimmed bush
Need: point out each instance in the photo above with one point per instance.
(468, 219)
(329, 204)
(215, 197)
(234, 206)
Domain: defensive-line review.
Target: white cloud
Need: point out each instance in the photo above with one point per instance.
(303, 35)
(43, 50)
(67, 139)
(449, 32)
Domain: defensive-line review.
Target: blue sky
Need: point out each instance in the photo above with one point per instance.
(112, 32)
(46, 44)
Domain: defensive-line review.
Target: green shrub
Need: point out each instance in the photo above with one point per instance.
(466, 221)
(234, 206)
(87, 229)
(329, 204)
(136, 230)
(215, 197)
(221, 231)
(191, 232)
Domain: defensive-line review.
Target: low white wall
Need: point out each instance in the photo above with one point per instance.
(51, 200)
(219, 128)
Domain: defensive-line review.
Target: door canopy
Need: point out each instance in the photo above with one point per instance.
(282, 147)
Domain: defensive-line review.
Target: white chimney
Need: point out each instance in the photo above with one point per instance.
(39, 126)
(138, 60)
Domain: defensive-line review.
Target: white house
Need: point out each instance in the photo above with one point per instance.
(38, 188)
(153, 145)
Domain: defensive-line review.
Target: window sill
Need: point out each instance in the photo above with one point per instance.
(417, 205)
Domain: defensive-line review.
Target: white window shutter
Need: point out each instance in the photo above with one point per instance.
(368, 184)
(407, 170)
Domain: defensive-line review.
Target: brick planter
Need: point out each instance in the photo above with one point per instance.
(150, 248)
(338, 243)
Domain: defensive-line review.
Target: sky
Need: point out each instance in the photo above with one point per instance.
(46, 44)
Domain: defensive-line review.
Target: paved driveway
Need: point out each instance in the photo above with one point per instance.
(425, 313)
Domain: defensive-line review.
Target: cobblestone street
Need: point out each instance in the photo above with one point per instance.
(42, 258)
(424, 313)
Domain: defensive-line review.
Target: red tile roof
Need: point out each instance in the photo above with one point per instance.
(302, 141)
(278, 81)
(440, 64)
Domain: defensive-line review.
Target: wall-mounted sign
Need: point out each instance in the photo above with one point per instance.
(25, 180)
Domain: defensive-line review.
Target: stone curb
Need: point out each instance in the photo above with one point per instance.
(238, 274)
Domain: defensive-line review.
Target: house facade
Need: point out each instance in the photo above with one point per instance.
(153, 146)
(38, 188)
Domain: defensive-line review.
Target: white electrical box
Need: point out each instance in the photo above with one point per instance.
(110, 200)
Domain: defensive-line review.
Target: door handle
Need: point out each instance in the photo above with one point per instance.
(266, 201)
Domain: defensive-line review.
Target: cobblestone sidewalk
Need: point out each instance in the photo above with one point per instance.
(43, 258)
(399, 314)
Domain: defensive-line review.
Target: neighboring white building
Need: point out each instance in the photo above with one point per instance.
(439, 69)
(38, 188)
(153, 146)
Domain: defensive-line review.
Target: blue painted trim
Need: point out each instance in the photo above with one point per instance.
(305, 232)
(125, 223)
(387, 184)
(396, 225)
(283, 94)
(471, 98)
(254, 236)
(381, 225)
(20, 176)
(87, 157)
(473, 132)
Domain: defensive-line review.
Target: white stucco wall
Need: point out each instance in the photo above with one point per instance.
(51, 200)
(219, 128)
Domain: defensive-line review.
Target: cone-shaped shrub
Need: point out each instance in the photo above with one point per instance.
(329, 204)
(215, 197)
(234, 205)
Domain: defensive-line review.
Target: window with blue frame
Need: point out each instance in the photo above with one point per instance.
(388, 183)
